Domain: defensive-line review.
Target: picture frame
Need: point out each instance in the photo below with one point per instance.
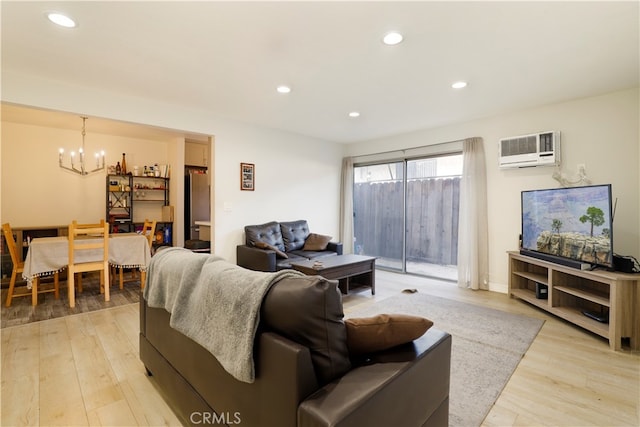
(247, 176)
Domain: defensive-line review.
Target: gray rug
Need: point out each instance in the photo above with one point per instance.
(487, 347)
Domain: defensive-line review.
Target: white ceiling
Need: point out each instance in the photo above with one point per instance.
(227, 58)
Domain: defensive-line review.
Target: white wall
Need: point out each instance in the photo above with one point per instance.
(296, 177)
(600, 132)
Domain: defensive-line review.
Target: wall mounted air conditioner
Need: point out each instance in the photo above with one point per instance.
(538, 149)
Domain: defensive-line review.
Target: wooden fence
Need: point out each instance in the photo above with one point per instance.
(432, 219)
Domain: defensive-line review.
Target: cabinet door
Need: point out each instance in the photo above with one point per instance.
(196, 154)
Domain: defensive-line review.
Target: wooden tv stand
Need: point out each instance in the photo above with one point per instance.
(572, 291)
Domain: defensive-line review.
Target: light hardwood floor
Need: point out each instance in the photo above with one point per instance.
(84, 369)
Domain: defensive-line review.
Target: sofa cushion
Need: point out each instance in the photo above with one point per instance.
(371, 334)
(285, 263)
(308, 310)
(294, 234)
(279, 253)
(268, 233)
(316, 242)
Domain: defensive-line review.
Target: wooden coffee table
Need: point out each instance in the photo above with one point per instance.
(351, 271)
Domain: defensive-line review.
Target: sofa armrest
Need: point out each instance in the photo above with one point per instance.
(256, 258)
(408, 385)
(335, 247)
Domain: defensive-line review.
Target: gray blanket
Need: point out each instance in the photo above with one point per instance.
(213, 302)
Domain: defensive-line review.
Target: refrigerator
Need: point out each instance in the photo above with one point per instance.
(197, 200)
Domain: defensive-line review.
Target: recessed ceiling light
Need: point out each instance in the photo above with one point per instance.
(61, 19)
(392, 38)
(283, 89)
(354, 114)
(459, 85)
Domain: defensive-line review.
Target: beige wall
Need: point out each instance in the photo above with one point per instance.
(600, 132)
(36, 192)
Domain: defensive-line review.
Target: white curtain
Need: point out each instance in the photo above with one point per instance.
(473, 243)
(346, 206)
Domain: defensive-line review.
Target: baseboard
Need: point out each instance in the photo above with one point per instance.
(499, 287)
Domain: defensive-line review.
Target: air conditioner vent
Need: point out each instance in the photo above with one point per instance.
(519, 145)
(540, 149)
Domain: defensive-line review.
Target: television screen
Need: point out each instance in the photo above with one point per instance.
(571, 223)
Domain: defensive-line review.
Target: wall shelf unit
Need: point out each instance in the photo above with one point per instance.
(125, 192)
(572, 292)
(119, 196)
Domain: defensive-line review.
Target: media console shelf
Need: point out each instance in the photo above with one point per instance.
(571, 292)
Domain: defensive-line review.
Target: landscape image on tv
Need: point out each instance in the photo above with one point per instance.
(572, 223)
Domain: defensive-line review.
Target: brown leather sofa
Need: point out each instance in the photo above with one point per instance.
(303, 373)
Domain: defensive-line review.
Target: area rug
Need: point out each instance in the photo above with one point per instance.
(22, 312)
(487, 347)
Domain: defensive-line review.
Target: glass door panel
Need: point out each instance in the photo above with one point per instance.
(433, 194)
(378, 213)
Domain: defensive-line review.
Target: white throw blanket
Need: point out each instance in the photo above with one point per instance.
(213, 302)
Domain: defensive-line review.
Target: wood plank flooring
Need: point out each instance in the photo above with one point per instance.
(84, 369)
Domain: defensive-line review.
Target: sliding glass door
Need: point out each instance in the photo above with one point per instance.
(406, 214)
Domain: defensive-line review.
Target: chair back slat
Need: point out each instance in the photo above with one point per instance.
(11, 243)
(88, 237)
(149, 230)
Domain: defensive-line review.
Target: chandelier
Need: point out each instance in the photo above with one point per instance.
(80, 167)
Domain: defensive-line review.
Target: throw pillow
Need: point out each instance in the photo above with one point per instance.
(263, 245)
(371, 334)
(316, 242)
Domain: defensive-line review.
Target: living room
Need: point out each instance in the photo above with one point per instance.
(298, 176)
(584, 125)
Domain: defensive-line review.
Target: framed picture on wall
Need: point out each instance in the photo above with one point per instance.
(247, 176)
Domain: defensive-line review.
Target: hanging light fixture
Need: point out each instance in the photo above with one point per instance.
(82, 167)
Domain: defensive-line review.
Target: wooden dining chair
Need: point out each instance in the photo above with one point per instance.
(84, 238)
(149, 231)
(18, 267)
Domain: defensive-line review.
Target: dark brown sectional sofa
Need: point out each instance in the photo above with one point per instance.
(304, 374)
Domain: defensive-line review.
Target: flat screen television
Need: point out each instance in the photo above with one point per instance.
(572, 226)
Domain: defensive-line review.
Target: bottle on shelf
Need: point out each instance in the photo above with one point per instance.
(124, 164)
(118, 169)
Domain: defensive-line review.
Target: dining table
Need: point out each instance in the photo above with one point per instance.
(47, 255)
